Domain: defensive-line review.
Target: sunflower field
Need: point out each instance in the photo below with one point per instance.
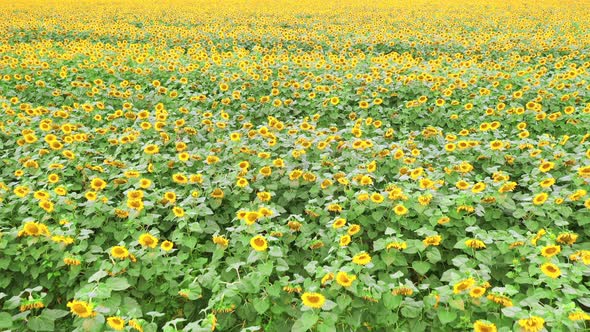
(278, 165)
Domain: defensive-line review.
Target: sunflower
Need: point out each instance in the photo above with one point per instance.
(377, 198)
(46, 205)
(362, 258)
(221, 241)
(478, 187)
(119, 252)
(584, 171)
(147, 240)
(353, 229)
(480, 326)
(32, 228)
(550, 251)
(259, 243)
(98, 184)
(116, 323)
(178, 211)
(81, 308)
(344, 240)
(329, 276)
(135, 324)
(567, 238)
(52, 178)
(169, 196)
(338, 223)
(251, 217)
(167, 245)
(551, 270)
(578, 315)
(475, 244)
(546, 166)
(344, 279)
(547, 182)
(265, 171)
(540, 198)
(264, 196)
(334, 208)
(397, 245)
(217, 193)
(295, 174)
(403, 290)
(433, 240)
(462, 185)
(400, 210)
(531, 324)
(265, 212)
(313, 300)
(463, 285)
(151, 149)
(443, 220)
(184, 156)
(477, 292)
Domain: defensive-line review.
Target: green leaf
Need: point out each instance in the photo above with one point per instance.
(97, 276)
(117, 284)
(5, 320)
(446, 316)
(275, 251)
(261, 305)
(54, 314)
(391, 301)
(266, 268)
(410, 311)
(421, 267)
(433, 255)
(305, 322)
(343, 301)
(131, 307)
(329, 305)
(41, 324)
(511, 311)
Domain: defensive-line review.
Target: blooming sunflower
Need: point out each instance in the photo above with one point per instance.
(550, 251)
(353, 229)
(313, 300)
(116, 323)
(477, 292)
(119, 252)
(338, 223)
(540, 198)
(475, 244)
(259, 243)
(400, 210)
(531, 324)
(433, 240)
(344, 279)
(148, 240)
(217, 193)
(551, 270)
(167, 245)
(481, 326)
(463, 285)
(151, 149)
(344, 240)
(81, 309)
(362, 258)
